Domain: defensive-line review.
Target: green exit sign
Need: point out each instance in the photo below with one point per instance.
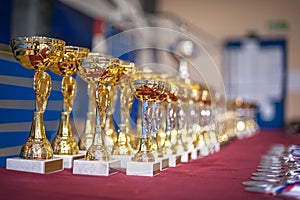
(279, 25)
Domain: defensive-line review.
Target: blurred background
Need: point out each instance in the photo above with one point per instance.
(254, 44)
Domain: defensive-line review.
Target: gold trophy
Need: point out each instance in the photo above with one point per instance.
(207, 135)
(100, 71)
(122, 145)
(38, 54)
(147, 89)
(122, 148)
(193, 115)
(180, 147)
(64, 143)
(171, 127)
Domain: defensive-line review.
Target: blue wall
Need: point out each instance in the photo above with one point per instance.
(5, 20)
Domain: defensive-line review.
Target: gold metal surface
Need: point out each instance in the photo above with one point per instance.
(38, 54)
(64, 142)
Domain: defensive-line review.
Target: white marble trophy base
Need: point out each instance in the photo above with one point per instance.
(212, 149)
(82, 152)
(186, 156)
(195, 153)
(68, 159)
(96, 168)
(204, 151)
(143, 168)
(124, 159)
(217, 147)
(174, 160)
(35, 166)
(164, 162)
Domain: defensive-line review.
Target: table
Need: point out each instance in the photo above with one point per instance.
(218, 176)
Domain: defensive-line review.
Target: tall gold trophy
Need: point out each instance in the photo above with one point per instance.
(38, 54)
(100, 71)
(64, 144)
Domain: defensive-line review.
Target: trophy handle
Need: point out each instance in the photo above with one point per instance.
(68, 89)
(91, 95)
(42, 88)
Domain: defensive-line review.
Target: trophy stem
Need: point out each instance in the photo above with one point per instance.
(146, 118)
(171, 127)
(91, 95)
(64, 142)
(145, 153)
(109, 131)
(87, 138)
(68, 89)
(181, 127)
(122, 146)
(192, 118)
(37, 145)
(42, 85)
(157, 141)
(98, 150)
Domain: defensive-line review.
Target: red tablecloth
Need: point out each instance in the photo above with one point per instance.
(218, 176)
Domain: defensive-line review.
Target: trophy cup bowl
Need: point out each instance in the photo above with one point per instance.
(38, 54)
(64, 142)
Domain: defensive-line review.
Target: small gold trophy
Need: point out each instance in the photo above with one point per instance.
(64, 143)
(100, 71)
(206, 129)
(38, 54)
(170, 132)
(181, 145)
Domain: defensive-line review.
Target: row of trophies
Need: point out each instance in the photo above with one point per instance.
(239, 121)
(176, 123)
